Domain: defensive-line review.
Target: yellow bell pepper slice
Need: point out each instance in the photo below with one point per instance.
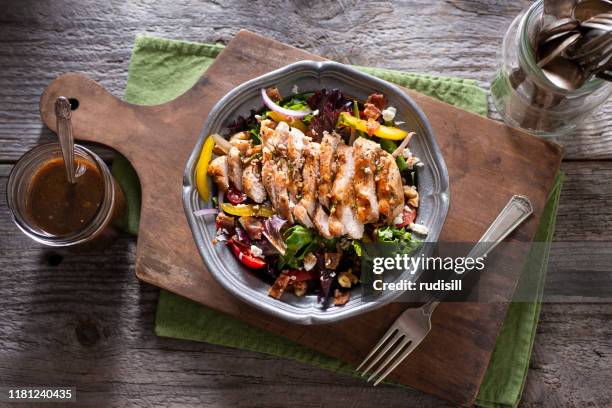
(293, 122)
(384, 132)
(202, 168)
(247, 210)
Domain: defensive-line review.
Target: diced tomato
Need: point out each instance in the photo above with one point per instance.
(244, 255)
(408, 216)
(302, 275)
(235, 196)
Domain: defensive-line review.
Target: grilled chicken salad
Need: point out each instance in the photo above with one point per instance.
(303, 182)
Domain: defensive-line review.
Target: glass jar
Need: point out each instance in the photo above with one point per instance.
(526, 97)
(96, 230)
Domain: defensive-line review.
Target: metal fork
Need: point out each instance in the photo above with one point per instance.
(411, 327)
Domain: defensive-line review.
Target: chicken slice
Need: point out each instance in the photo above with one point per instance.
(389, 188)
(366, 154)
(242, 141)
(321, 221)
(243, 146)
(295, 156)
(268, 168)
(218, 169)
(281, 201)
(343, 218)
(305, 209)
(327, 166)
(301, 215)
(268, 133)
(252, 182)
(310, 177)
(282, 136)
(234, 162)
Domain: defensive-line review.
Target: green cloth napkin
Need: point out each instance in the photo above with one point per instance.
(161, 70)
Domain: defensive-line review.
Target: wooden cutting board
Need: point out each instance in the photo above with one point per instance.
(487, 163)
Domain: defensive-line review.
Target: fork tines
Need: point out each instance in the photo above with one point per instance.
(397, 346)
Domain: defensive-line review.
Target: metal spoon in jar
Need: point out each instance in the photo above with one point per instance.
(556, 11)
(558, 49)
(587, 9)
(64, 133)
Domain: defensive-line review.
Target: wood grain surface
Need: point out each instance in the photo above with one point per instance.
(502, 162)
(85, 319)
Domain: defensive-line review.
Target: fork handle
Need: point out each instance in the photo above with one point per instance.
(511, 216)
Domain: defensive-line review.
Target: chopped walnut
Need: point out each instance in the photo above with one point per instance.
(279, 286)
(274, 94)
(347, 279)
(299, 288)
(341, 298)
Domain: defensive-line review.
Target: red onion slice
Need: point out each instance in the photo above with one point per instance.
(287, 112)
(402, 145)
(206, 211)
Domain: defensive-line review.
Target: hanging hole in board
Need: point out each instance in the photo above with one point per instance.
(74, 103)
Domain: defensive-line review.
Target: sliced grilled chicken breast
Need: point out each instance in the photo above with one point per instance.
(218, 169)
(252, 182)
(234, 162)
(305, 209)
(281, 202)
(327, 166)
(366, 154)
(310, 175)
(321, 221)
(242, 145)
(268, 168)
(301, 215)
(389, 188)
(343, 218)
(295, 156)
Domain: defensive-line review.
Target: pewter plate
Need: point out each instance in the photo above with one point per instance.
(433, 185)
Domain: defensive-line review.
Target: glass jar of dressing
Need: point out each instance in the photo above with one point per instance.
(530, 97)
(50, 210)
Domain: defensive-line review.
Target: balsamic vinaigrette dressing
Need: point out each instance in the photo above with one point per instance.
(58, 207)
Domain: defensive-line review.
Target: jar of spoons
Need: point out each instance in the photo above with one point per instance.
(555, 65)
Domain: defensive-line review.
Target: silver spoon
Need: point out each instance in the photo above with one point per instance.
(554, 10)
(557, 28)
(586, 9)
(557, 50)
(64, 132)
(565, 74)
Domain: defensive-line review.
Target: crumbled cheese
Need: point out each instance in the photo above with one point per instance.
(406, 153)
(367, 170)
(256, 251)
(389, 113)
(419, 229)
(310, 260)
(258, 118)
(398, 220)
(315, 113)
(399, 122)
(294, 89)
(420, 164)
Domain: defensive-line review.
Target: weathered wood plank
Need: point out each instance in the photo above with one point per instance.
(41, 40)
(85, 320)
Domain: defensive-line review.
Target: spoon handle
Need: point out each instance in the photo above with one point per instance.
(64, 133)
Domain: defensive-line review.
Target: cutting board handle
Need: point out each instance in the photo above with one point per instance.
(138, 132)
(97, 115)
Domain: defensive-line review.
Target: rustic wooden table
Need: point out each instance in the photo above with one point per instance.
(85, 320)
